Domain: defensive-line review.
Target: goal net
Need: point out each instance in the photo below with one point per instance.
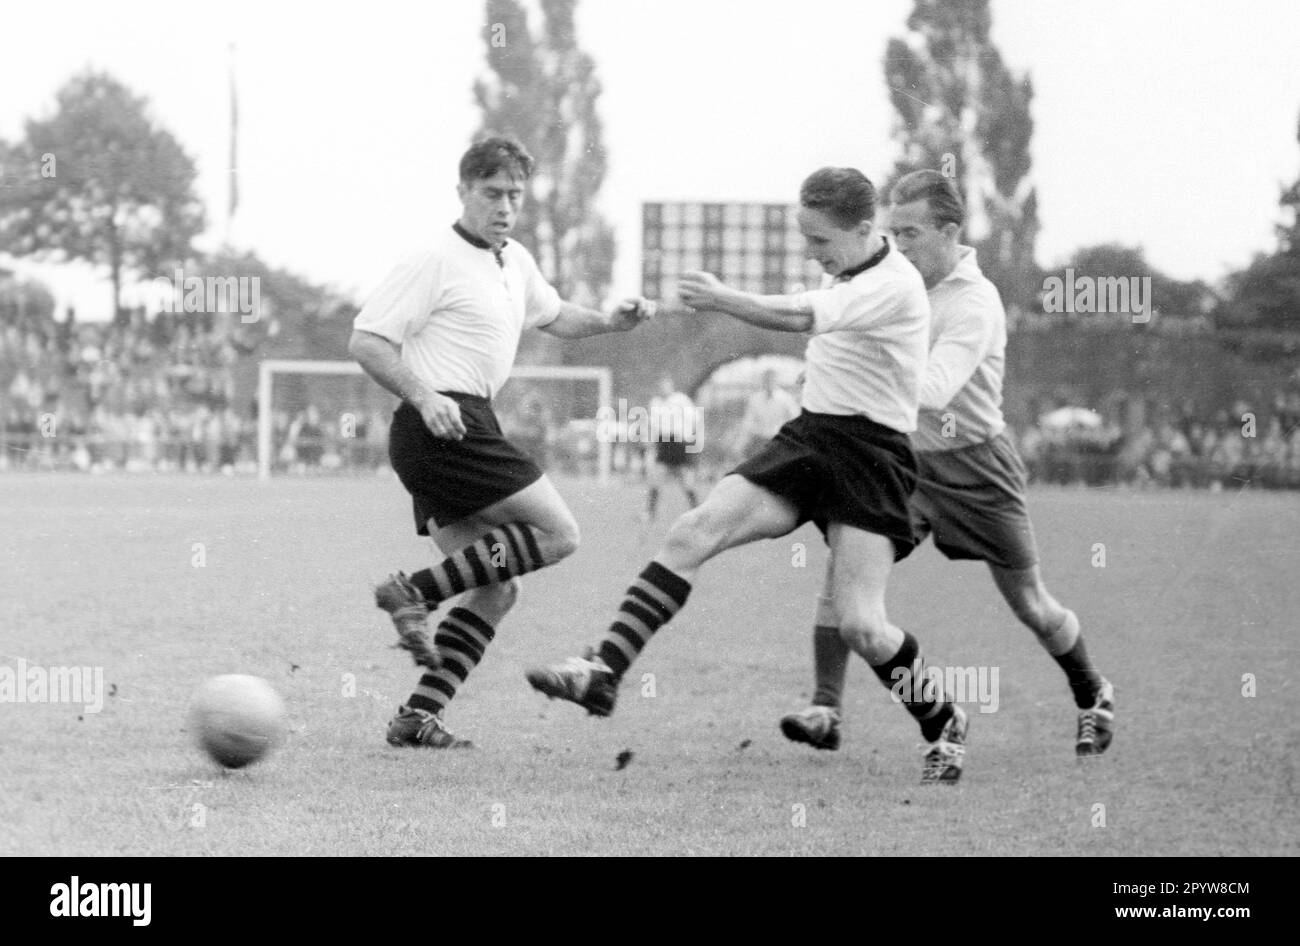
(329, 417)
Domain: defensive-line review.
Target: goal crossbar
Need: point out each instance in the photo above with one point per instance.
(269, 368)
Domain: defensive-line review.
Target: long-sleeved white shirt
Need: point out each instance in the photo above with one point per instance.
(961, 391)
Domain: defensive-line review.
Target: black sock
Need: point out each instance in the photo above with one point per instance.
(905, 675)
(1085, 681)
(830, 663)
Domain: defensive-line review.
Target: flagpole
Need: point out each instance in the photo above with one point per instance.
(233, 172)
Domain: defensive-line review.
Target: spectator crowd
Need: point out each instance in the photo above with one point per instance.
(159, 394)
(1231, 448)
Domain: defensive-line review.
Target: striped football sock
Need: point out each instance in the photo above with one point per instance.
(506, 552)
(461, 639)
(651, 601)
(904, 674)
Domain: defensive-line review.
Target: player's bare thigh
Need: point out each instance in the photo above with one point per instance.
(539, 505)
(735, 512)
(859, 568)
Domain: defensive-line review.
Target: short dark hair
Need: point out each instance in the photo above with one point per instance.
(493, 154)
(843, 194)
(937, 190)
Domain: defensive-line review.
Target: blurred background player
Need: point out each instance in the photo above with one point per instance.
(844, 463)
(441, 333)
(766, 412)
(674, 430)
(971, 490)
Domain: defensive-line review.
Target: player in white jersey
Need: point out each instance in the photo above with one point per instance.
(766, 411)
(971, 488)
(843, 463)
(441, 333)
(674, 446)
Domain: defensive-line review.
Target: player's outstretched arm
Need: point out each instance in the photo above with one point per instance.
(575, 321)
(704, 291)
(382, 360)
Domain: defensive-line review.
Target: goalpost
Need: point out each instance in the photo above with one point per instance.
(269, 369)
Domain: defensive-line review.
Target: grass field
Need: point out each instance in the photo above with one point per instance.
(165, 581)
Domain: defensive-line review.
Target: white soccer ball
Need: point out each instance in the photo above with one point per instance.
(237, 719)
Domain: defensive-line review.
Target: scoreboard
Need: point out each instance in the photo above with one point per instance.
(752, 247)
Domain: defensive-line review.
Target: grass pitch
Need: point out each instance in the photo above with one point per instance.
(165, 581)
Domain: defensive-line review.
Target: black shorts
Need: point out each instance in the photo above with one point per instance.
(845, 469)
(674, 453)
(973, 500)
(451, 479)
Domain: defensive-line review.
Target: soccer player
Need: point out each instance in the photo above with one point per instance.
(675, 430)
(766, 412)
(843, 463)
(971, 489)
(441, 333)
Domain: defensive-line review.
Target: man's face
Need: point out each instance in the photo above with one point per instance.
(926, 246)
(491, 205)
(832, 247)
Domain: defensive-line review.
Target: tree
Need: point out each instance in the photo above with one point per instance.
(1172, 298)
(1266, 294)
(100, 181)
(962, 112)
(543, 89)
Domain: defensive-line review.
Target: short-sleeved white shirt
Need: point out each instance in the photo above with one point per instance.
(870, 332)
(457, 310)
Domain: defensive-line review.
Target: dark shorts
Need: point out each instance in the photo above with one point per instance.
(849, 470)
(674, 453)
(451, 479)
(973, 501)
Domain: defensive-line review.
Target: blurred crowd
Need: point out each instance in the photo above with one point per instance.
(158, 394)
(154, 390)
(1179, 448)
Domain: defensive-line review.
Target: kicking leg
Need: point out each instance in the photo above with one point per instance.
(736, 512)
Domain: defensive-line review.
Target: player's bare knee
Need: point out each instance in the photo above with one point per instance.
(560, 541)
(865, 630)
(694, 535)
(493, 602)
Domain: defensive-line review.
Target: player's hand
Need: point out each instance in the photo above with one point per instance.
(442, 416)
(632, 312)
(701, 290)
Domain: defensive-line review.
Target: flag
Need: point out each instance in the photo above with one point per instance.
(234, 141)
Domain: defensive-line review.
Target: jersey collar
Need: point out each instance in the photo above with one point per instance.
(879, 255)
(479, 242)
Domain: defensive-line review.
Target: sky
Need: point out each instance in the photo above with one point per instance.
(1167, 124)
